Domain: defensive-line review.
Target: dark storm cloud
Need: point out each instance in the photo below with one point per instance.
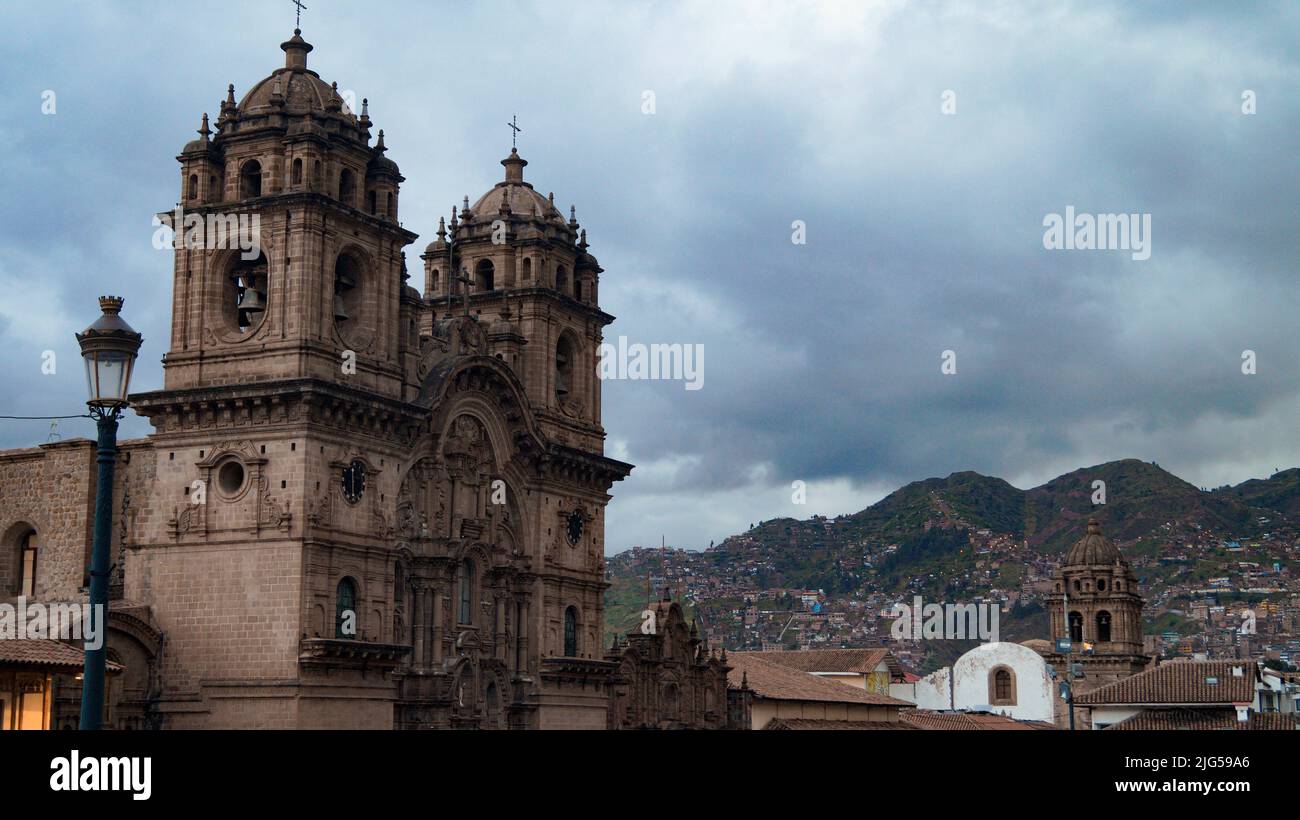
(822, 361)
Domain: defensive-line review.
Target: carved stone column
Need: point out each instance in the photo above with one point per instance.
(437, 626)
(418, 627)
(499, 648)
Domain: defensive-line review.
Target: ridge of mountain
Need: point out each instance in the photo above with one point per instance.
(1141, 499)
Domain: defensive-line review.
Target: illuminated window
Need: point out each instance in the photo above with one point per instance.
(27, 585)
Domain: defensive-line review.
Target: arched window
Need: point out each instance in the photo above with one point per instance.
(1103, 626)
(372, 199)
(1002, 687)
(1076, 627)
(250, 180)
(570, 633)
(347, 186)
(194, 186)
(296, 179)
(345, 609)
(528, 270)
(561, 279)
(484, 275)
(1076, 585)
(466, 590)
(1101, 584)
(563, 367)
(315, 176)
(577, 290)
(347, 289)
(27, 565)
(672, 702)
(246, 292)
(388, 209)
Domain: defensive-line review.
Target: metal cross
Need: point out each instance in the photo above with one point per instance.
(514, 124)
(297, 22)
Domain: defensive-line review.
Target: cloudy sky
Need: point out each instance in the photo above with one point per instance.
(822, 360)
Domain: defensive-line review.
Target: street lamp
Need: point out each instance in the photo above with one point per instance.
(108, 347)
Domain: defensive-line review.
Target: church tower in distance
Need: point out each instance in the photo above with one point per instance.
(371, 507)
(1096, 602)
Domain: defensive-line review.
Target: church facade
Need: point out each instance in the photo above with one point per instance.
(363, 505)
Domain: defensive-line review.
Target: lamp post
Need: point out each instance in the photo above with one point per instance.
(108, 347)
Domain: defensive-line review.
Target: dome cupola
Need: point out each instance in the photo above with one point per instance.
(1093, 548)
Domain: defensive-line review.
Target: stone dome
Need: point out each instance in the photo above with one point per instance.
(1039, 645)
(523, 200)
(1093, 548)
(300, 89)
(380, 164)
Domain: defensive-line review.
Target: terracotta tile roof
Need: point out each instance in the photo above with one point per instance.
(1273, 722)
(56, 655)
(1158, 720)
(968, 721)
(809, 724)
(1178, 682)
(860, 661)
(1162, 720)
(777, 682)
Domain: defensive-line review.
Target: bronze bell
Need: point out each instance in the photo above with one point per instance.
(252, 302)
(340, 313)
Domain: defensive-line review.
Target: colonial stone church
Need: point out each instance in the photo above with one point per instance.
(1096, 601)
(363, 505)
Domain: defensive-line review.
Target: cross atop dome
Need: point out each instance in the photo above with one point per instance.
(515, 129)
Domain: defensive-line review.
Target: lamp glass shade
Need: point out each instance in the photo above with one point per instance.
(108, 377)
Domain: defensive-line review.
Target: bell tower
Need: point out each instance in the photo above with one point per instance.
(285, 415)
(529, 268)
(1095, 601)
(289, 254)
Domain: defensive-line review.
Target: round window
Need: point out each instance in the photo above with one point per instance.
(230, 477)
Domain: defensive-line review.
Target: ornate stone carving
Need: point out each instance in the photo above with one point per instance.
(320, 510)
(269, 512)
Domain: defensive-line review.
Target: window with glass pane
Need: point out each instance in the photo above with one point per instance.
(345, 617)
(31, 715)
(1002, 684)
(570, 632)
(28, 586)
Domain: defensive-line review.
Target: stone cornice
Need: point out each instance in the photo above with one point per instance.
(291, 401)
